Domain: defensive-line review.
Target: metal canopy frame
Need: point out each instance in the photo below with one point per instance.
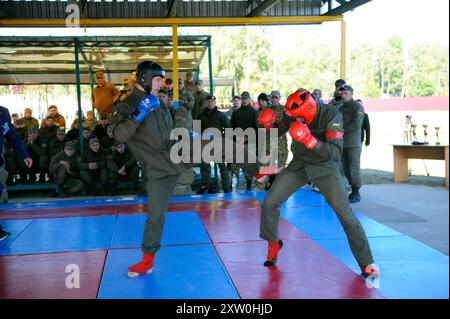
(24, 60)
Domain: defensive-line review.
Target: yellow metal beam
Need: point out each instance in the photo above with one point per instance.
(175, 65)
(170, 21)
(343, 49)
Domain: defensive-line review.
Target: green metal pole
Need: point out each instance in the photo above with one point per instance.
(211, 88)
(80, 112)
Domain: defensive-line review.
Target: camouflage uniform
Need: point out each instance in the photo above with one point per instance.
(69, 181)
(200, 104)
(89, 176)
(186, 99)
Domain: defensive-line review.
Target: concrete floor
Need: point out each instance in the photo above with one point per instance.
(421, 212)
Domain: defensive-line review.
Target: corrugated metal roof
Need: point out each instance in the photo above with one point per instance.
(28, 60)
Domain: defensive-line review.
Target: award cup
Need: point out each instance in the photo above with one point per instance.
(413, 130)
(425, 133)
(437, 128)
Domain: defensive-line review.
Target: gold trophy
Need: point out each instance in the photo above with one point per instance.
(437, 128)
(425, 133)
(413, 130)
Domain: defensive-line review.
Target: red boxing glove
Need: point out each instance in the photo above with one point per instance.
(301, 133)
(267, 118)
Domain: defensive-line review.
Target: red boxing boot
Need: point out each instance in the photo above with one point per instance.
(143, 267)
(272, 255)
(371, 269)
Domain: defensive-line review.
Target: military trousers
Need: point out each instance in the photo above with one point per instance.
(333, 189)
(159, 191)
(71, 185)
(350, 162)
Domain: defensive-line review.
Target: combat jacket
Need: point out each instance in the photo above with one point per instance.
(73, 162)
(324, 159)
(149, 141)
(353, 116)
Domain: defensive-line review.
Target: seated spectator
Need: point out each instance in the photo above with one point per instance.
(90, 121)
(101, 128)
(37, 149)
(59, 119)
(87, 134)
(28, 119)
(93, 168)
(57, 145)
(64, 170)
(122, 166)
(48, 131)
(108, 143)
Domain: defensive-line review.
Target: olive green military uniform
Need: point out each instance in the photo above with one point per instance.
(150, 143)
(321, 166)
(89, 176)
(186, 99)
(69, 181)
(118, 160)
(30, 122)
(200, 104)
(57, 146)
(353, 116)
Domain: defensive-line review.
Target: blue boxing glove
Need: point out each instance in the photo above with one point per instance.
(148, 104)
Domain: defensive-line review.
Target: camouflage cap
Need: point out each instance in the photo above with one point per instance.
(61, 130)
(94, 140)
(70, 146)
(32, 129)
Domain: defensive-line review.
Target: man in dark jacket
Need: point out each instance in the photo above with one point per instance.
(353, 116)
(8, 133)
(317, 134)
(246, 117)
(211, 117)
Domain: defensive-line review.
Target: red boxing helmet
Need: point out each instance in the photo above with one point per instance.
(301, 104)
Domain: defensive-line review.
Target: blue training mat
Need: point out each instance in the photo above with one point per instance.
(180, 272)
(179, 228)
(63, 234)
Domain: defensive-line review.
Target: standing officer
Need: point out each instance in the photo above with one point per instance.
(211, 117)
(65, 171)
(317, 134)
(353, 116)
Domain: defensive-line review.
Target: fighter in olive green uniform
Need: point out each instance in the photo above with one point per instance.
(317, 149)
(64, 169)
(353, 115)
(93, 167)
(145, 125)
